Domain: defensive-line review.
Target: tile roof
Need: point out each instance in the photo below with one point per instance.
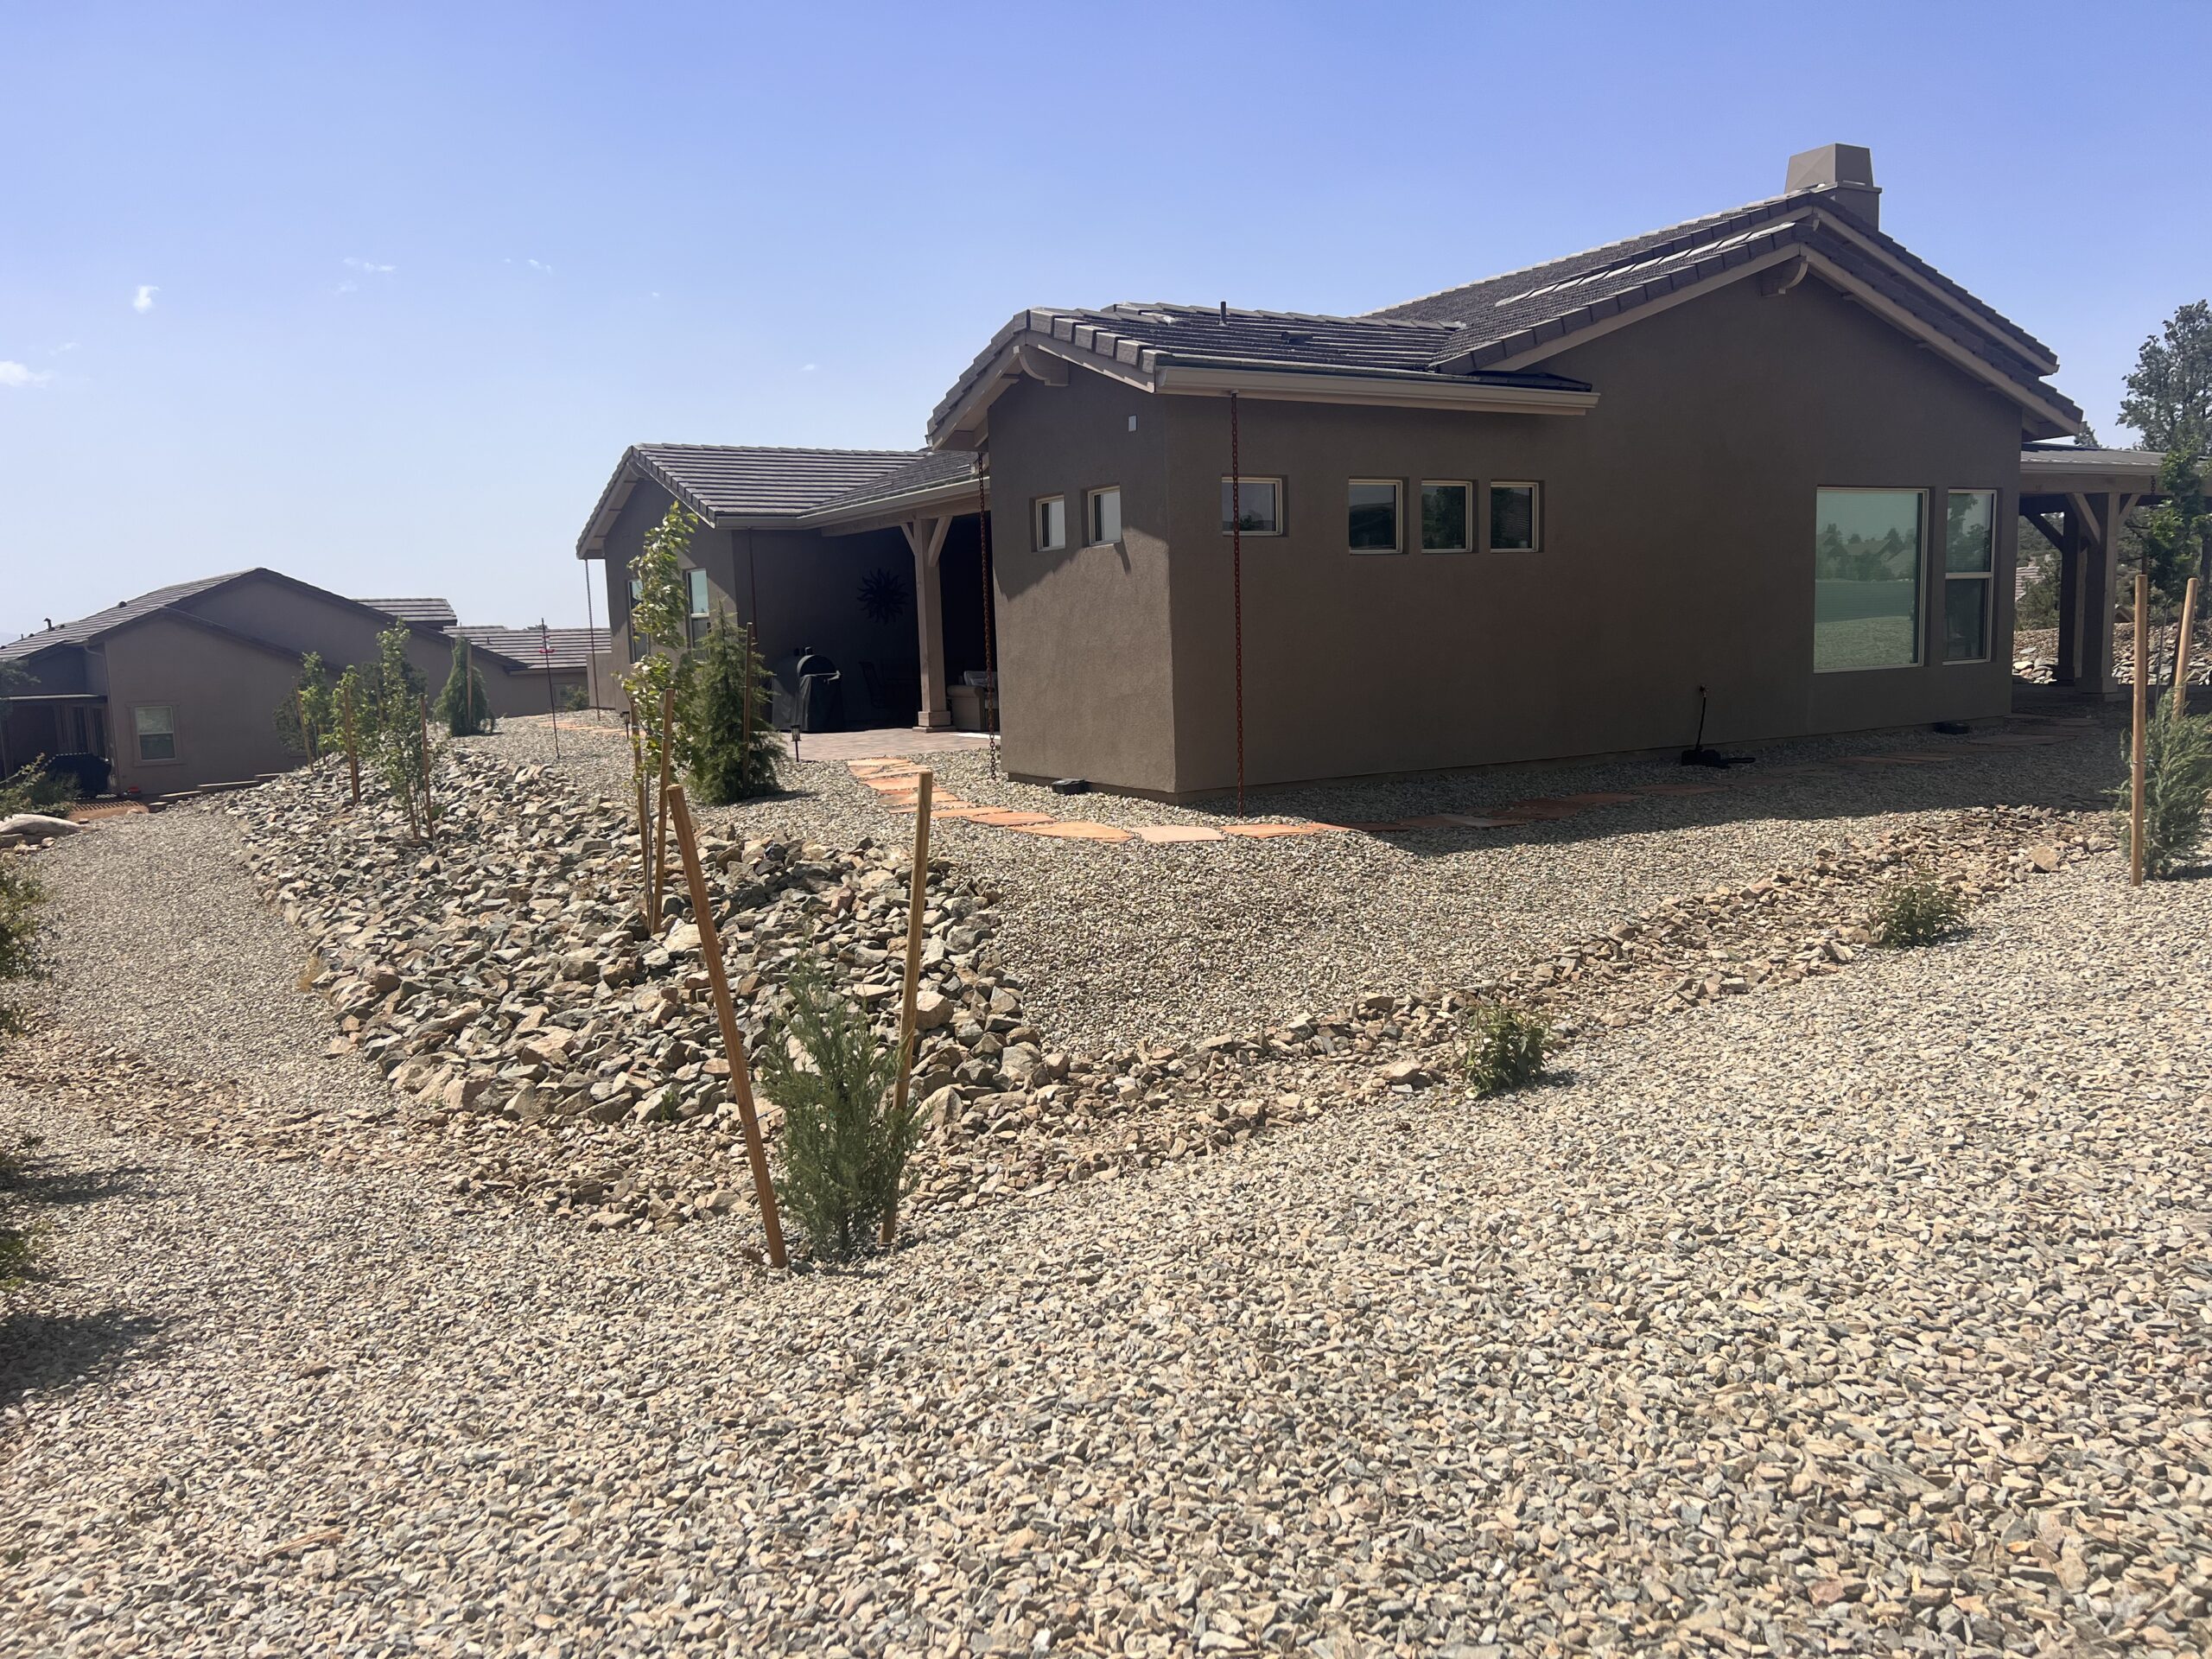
(559, 648)
(743, 481)
(936, 469)
(85, 629)
(434, 613)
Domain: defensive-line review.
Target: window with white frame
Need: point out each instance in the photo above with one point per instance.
(155, 724)
(1051, 523)
(1517, 516)
(1969, 564)
(1447, 517)
(1371, 515)
(1252, 505)
(695, 594)
(1867, 554)
(1104, 512)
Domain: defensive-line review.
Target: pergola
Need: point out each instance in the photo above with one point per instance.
(2077, 498)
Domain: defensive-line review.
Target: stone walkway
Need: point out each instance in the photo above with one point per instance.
(895, 777)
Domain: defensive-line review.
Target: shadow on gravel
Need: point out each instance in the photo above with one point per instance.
(41, 1352)
(41, 1186)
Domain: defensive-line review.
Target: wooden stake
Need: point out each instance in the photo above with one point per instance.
(740, 1074)
(353, 751)
(422, 758)
(645, 819)
(660, 831)
(917, 884)
(2142, 711)
(2181, 651)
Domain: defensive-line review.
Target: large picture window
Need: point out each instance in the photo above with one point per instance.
(1371, 515)
(1969, 560)
(1866, 552)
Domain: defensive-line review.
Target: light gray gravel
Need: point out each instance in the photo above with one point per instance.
(1868, 1316)
(1126, 944)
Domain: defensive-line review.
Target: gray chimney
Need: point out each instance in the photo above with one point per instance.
(1844, 175)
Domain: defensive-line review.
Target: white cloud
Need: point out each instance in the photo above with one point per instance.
(369, 266)
(66, 345)
(143, 301)
(347, 287)
(21, 374)
(537, 265)
(806, 368)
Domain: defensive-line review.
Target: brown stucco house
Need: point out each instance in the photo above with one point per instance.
(178, 689)
(1764, 467)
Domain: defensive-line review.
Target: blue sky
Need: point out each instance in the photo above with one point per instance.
(377, 294)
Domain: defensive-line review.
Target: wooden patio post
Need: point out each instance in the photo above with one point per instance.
(740, 1073)
(352, 748)
(2142, 721)
(917, 884)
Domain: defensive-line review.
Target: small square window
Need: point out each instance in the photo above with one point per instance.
(1446, 516)
(1516, 517)
(1051, 524)
(695, 588)
(1105, 517)
(156, 726)
(1257, 508)
(1371, 518)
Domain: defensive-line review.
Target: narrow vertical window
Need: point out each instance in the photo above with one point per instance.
(1105, 517)
(694, 587)
(1051, 523)
(1371, 515)
(1969, 563)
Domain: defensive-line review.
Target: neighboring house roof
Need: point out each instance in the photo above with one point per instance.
(433, 613)
(85, 629)
(734, 483)
(1508, 325)
(556, 648)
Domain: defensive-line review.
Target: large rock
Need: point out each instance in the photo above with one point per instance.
(35, 830)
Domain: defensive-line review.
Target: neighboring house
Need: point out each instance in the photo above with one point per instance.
(180, 688)
(820, 550)
(1761, 470)
(540, 669)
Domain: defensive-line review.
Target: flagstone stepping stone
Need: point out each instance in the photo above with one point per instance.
(1161, 835)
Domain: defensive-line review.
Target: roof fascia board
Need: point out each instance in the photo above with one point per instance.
(1836, 277)
(1417, 390)
(1986, 321)
(963, 425)
(889, 509)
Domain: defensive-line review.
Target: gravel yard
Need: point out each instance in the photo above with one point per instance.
(1126, 944)
(1865, 1315)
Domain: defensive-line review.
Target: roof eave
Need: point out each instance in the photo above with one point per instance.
(861, 515)
(1407, 388)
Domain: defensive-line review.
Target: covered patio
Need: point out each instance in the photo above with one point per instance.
(2078, 499)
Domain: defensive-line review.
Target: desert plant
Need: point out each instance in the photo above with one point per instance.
(1505, 1048)
(464, 705)
(2177, 778)
(1918, 910)
(725, 737)
(845, 1143)
(660, 628)
(392, 734)
(21, 955)
(36, 788)
(313, 698)
(575, 700)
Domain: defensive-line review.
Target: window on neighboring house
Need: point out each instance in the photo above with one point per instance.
(637, 590)
(1371, 515)
(1867, 579)
(1446, 516)
(1516, 517)
(1969, 562)
(695, 588)
(1105, 513)
(156, 725)
(1051, 523)
(1258, 505)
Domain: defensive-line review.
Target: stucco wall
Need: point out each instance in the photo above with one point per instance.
(302, 622)
(1083, 643)
(224, 694)
(1678, 550)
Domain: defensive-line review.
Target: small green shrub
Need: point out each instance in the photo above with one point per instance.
(2177, 778)
(35, 789)
(575, 700)
(726, 737)
(844, 1146)
(1918, 911)
(1505, 1050)
(464, 705)
(21, 956)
